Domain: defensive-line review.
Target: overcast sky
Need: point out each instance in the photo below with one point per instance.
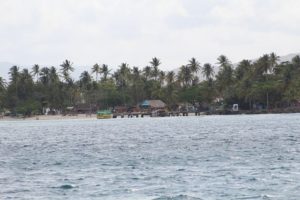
(134, 31)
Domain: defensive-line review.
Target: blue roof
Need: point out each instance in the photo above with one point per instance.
(146, 103)
(153, 103)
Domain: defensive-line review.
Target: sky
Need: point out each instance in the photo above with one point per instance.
(46, 32)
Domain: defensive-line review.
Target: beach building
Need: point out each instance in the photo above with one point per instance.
(153, 104)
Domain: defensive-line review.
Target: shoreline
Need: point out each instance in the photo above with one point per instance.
(49, 117)
(94, 116)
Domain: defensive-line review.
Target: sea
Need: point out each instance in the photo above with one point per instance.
(176, 158)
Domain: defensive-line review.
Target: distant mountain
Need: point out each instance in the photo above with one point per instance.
(285, 58)
(288, 57)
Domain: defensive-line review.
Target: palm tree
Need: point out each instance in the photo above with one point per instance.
(85, 78)
(224, 77)
(14, 80)
(35, 71)
(185, 75)
(287, 75)
(123, 74)
(105, 71)
(136, 72)
(155, 62)
(147, 72)
(14, 74)
(3, 84)
(136, 83)
(155, 72)
(53, 76)
(170, 77)
(26, 75)
(162, 76)
(124, 70)
(207, 71)
(66, 68)
(96, 70)
(194, 65)
(273, 61)
(242, 69)
(223, 61)
(45, 75)
(25, 86)
(263, 65)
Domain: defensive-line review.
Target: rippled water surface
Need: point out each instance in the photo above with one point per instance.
(210, 157)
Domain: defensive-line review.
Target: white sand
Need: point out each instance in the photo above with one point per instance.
(50, 117)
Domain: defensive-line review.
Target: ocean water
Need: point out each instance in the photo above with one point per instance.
(180, 158)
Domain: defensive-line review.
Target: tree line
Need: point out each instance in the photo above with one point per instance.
(265, 83)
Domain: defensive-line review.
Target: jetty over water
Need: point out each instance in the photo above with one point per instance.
(159, 113)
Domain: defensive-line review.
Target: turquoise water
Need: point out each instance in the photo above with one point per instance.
(208, 157)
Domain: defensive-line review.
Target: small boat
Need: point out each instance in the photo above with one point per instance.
(104, 114)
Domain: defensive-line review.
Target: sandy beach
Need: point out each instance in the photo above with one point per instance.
(50, 117)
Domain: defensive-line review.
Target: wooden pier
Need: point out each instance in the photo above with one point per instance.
(150, 114)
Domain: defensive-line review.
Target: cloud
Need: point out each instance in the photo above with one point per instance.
(134, 31)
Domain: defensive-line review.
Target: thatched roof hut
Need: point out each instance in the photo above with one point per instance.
(153, 104)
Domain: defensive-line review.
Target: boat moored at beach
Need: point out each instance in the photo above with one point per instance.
(104, 114)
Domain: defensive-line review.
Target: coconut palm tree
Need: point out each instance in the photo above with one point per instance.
(85, 78)
(66, 68)
(208, 71)
(242, 69)
(194, 65)
(155, 72)
(147, 72)
(185, 75)
(122, 76)
(45, 75)
(14, 73)
(136, 73)
(105, 71)
(273, 61)
(223, 61)
(262, 65)
(96, 69)
(124, 71)
(25, 86)
(170, 77)
(26, 75)
(224, 78)
(3, 84)
(35, 71)
(53, 76)
(155, 62)
(162, 76)
(137, 84)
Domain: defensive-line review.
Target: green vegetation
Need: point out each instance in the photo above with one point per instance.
(264, 83)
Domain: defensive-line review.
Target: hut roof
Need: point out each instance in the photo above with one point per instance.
(153, 104)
